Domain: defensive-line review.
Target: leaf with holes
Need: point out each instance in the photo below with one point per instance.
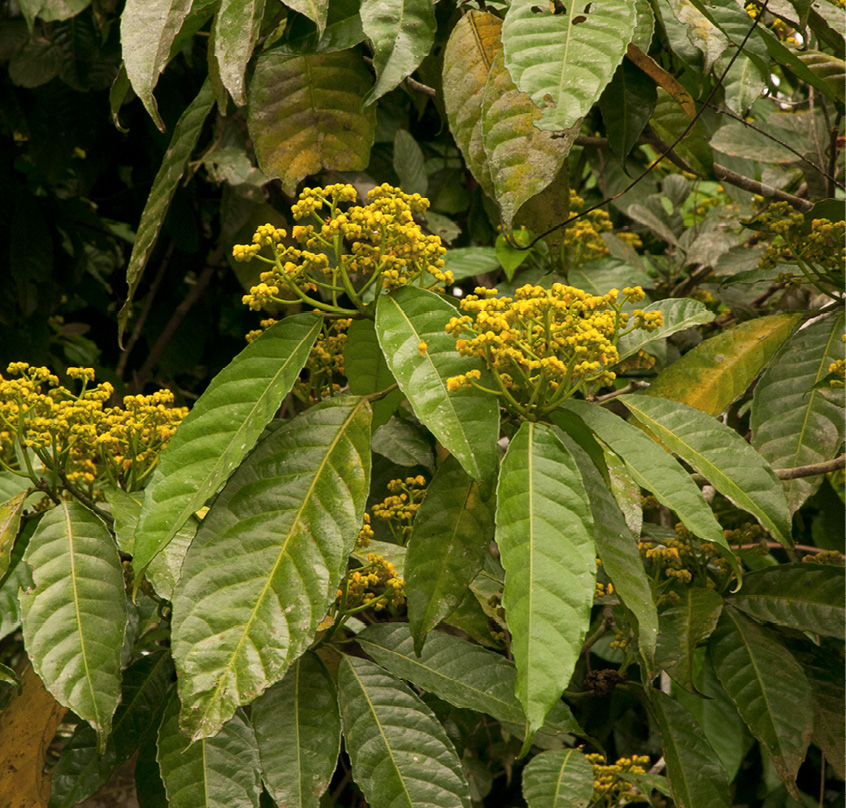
(678, 315)
(558, 778)
(236, 28)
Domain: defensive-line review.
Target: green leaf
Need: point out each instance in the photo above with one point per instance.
(804, 597)
(702, 33)
(644, 27)
(220, 430)
(404, 444)
(825, 675)
(305, 115)
(544, 531)
(316, 10)
(402, 33)
(743, 85)
(768, 687)
(625, 490)
(80, 770)
(467, 262)
(683, 627)
(720, 369)
(451, 534)
(367, 371)
(12, 484)
(626, 106)
(185, 136)
(730, 464)
(9, 676)
(564, 61)
(298, 731)
(18, 578)
(236, 29)
(679, 315)
(465, 422)
(597, 277)
(793, 422)
(697, 778)
(512, 258)
(522, 159)
(218, 772)
(401, 756)
(669, 120)
(147, 31)
(10, 522)
(558, 778)
(470, 618)
(409, 163)
(74, 620)
(293, 511)
(469, 54)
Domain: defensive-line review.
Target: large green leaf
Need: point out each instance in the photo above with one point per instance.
(236, 28)
(465, 422)
(316, 10)
(298, 731)
(626, 105)
(451, 534)
(697, 778)
(682, 627)
(564, 61)
(825, 674)
(220, 430)
(10, 522)
(469, 54)
(290, 515)
(768, 687)
(678, 315)
(720, 369)
(402, 33)
(558, 778)
(404, 444)
(702, 33)
(305, 115)
(185, 136)
(670, 120)
(219, 772)
(544, 530)
(401, 756)
(730, 464)
(74, 620)
(804, 597)
(80, 770)
(522, 160)
(18, 578)
(793, 422)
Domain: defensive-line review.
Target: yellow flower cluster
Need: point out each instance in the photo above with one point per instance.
(582, 238)
(345, 252)
(608, 788)
(374, 585)
(832, 557)
(76, 435)
(837, 370)
(365, 534)
(324, 364)
(544, 345)
(399, 509)
(602, 590)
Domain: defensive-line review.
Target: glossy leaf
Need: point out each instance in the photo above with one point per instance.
(316, 10)
(768, 687)
(219, 431)
(564, 62)
(720, 369)
(679, 315)
(626, 105)
(74, 619)
(236, 28)
(558, 778)
(404, 444)
(804, 597)
(10, 522)
(401, 756)
(218, 772)
(730, 464)
(402, 33)
(697, 778)
(450, 536)
(298, 732)
(305, 115)
(292, 513)
(794, 423)
(544, 530)
(465, 422)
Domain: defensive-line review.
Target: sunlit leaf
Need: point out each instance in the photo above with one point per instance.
(558, 778)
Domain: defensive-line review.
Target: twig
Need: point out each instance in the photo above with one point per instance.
(84, 499)
(419, 87)
(631, 387)
(774, 545)
(795, 473)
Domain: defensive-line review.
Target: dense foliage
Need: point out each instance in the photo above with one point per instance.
(526, 484)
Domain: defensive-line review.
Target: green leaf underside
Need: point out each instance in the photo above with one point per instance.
(768, 687)
(305, 115)
(564, 66)
(730, 464)
(236, 28)
(298, 732)
(218, 772)
(74, 620)
(450, 536)
(465, 422)
(220, 430)
(678, 315)
(558, 778)
(400, 754)
(10, 522)
(291, 515)
(404, 444)
(545, 537)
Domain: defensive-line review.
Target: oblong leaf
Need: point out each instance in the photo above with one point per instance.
(558, 778)
(10, 522)
(316, 10)
(291, 514)
(305, 115)
(401, 756)
(220, 430)
(236, 28)
(730, 464)
(74, 620)
(465, 422)
(678, 315)
(720, 369)
(627, 102)
(564, 61)
(404, 444)
(450, 536)
(825, 675)
(298, 732)
(544, 530)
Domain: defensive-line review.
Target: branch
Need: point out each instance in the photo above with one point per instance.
(795, 473)
(774, 545)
